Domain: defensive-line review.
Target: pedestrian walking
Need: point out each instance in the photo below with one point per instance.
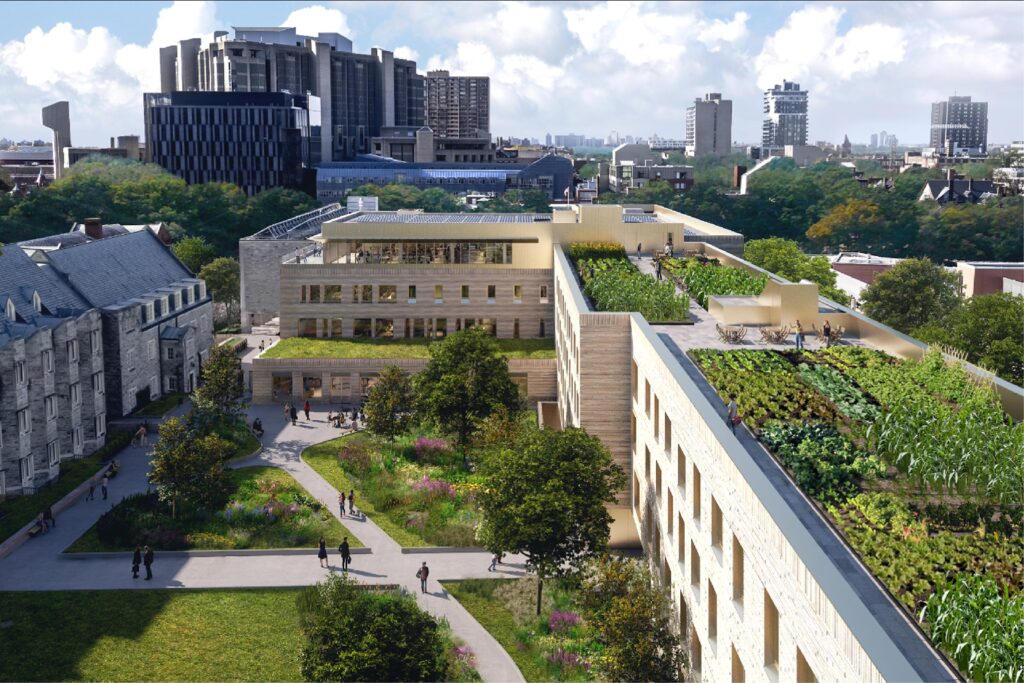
(322, 553)
(136, 561)
(305, 409)
(145, 433)
(92, 491)
(103, 485)
(638, 246)
(147, 559)
(294, 414)
(287, 411)
(422, 573)
(341, 503)
(48, 518)
(733, 411)
(262, 346)
(351, 501)
(346, 555)
(799, 336)
(657, 270)
(827, 330)
(494, 562)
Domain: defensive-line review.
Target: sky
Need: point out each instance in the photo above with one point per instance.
(560, 67)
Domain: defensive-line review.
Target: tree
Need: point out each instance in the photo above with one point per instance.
(389, 406)
(194, 252)
(219, 397)
(858, 221)
(352, 634)
(223, 276)
(784, 258)
(989, 329)
(188, 467)
(545, 495)
(464, 381)
(913, 293)
(633, 617)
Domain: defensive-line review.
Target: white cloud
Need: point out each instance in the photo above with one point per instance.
(406, 52)
(717, 34)
(309, 21)
(180, 21)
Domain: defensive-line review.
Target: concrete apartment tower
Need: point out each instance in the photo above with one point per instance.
(709, 126)
(785, 121)
(959, 124)
(57, 118)
(458, 106)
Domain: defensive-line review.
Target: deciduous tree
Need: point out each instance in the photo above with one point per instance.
(194, 252)
(223, 277)
(389, 406)
(188, 467)
(913, 293)
(218, 399)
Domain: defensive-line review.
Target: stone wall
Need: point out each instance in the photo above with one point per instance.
(260, 263)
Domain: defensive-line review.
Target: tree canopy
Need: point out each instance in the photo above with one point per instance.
(223, 277)
(389, 406)
(784, 258)
(219, 398)
(464, 381)
(914, 292)
(194, 252)
(187, 466)
(544, 496)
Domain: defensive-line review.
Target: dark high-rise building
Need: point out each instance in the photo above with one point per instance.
(785, 121)
(359, 93)
(458, 106)
(959, 124)
(256, 140)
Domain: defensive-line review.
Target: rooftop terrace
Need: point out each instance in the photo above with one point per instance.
(414, 217)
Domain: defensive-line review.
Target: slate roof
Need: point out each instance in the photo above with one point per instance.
(962, 192)
(77, 235)
(20, 276)
(174, 333)
(119, 268)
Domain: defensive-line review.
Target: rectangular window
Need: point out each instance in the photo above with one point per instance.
(684, 617)
(97, 342)
(737, 570)
(362, 327)
(97, 383)
(19, 372)
(647, 398)
(314, 294)
(130, 359)
(28, 470)
(72, 351)
(76, 394)
(48, 361)
(515, 328)
(465, 294)
(634, 379)
(542, 330)
(671, 510)
(384, 327)
(695, 652)
(412, 294)
(438, 294)
(441, 327)
(804, 673)
(517, 292)
(657, 479)
(335, 327)
(101, 424)
(544, 294)
(51, 406)
(387, 294)
(716, 524)
(170, 353)
(647, 463)
(77, 440)
(53, 453)
(668, 435)
(694, 568)
(771, 633)
(696, 494)
(332, 294)
(682, 539)
(307, 327)
(492, 291)
(657, 417)
(636, 492)
(151, 349)
(739, 675)
(24, 422)
(712, 612)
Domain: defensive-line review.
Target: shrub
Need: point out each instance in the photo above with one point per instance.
(425, 448)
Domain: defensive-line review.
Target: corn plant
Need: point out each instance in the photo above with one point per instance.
(615, 284)
(703, 280)
(981, 625)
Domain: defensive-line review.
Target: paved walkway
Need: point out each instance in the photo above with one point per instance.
(39, 565)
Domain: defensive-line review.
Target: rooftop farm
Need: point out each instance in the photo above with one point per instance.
(703, 278)
(615, 284)
(920, 468)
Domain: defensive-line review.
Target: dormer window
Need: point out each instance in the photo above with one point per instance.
(37, 302)
(10, 311)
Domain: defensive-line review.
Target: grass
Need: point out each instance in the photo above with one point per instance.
(17, 511)
(233, 528)
(301, 347)
(161, 406)
(153, 635)
(323, 458)
(507, 609)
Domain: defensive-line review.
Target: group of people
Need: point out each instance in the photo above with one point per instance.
(351, 503)
(798, 334)
(668, 250)
(45, 521)
(343, 550)
(142, 556)
(292, 413)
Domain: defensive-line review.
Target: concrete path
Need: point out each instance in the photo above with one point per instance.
(39, 565)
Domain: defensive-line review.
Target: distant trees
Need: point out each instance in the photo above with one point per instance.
(784, 258)
(194, 252)
(856, 220)
(914, 292)
(122, 191)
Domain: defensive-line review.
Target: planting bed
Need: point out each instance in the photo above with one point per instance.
(920, 468)
(702, 278)
(416, 489)
(615, 284)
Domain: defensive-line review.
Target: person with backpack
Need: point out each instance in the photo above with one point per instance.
(346, 555)
(422, 573)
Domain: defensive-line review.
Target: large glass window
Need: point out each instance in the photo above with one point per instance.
(362, 327)
(307, 327)
(314, 294)
(332, 294)
(384, 327)
(387, 294)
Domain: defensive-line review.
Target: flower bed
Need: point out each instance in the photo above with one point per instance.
(266, 508)
(416, 489)
(917, 464)
(615, 284)
(703, 278)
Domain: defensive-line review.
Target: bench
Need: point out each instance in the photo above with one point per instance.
(35, 531)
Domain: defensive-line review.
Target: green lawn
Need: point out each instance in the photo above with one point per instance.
(301, 347)
(153, 635)
(267, 508)
(17, 511)
(323, 458)
(161, 406)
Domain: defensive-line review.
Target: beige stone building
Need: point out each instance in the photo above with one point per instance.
(765, 588)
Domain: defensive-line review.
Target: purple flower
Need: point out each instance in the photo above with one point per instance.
(564, 658)
(560, 621)
(424, 447)
(434, 487)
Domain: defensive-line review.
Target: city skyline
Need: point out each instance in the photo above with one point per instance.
(557, 67)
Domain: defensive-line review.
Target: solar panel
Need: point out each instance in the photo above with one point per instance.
(392, 217)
